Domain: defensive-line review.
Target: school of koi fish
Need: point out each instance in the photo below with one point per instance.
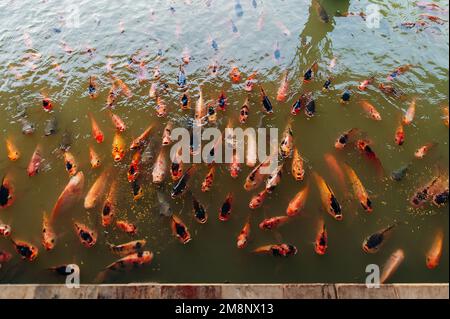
(144, 153)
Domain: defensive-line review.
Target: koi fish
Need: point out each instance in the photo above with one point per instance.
(255, 178)
(164, 206)
(235, 166)
(365, 147)
(199, 211)
(323, 15)
(321, 244)
(243, 115)
(70, 164)
(445, 116)
(422, 151)
(142, 74)
(179, 230)
(94, 158)
(118, 148)
(274, 179)
(297, 204)
(92, 88)
(25, 250)
(277, 52)
(153, 91)
(109, 206)
(392, 265)
(134, 170)
(70, 195)
(423, 194)
(112, 96)
(160, 168)
(258, 199)
(176, 168)
(329, 200)
(273, 222)
(345, 97)
(298, 172)
(359, 190)
(209, 179)
(335, 169)
(48, 235)
(225, 210)
(364, 84)
(433, 256)
(400, 135)
(35, 162)
(118, 122)
(140, 141)
(186, 58)
(13, 153)
(51, 126)
(326, 86)
(185, 102)
(370, 110)
(97, 133)
(283, 89)
(132, 261)
(400, 70)
(281, 250)
(390, 90)
(267, 105)
(200, 109)
(287, 143)
(181, 186)
(182, 80)
(161, 108)
(138, 192)
(235, 75)
(410, 113)
(129, 248)
(166, 139)
(97, 191)
(243, 236)
(440, 193)
(250, 82)
(374, 242)
(222, 101)
(123, 87)
(5, 230)
(400, 173)
(283, 28)
(126, 227)
(309, 74)
(7, 196)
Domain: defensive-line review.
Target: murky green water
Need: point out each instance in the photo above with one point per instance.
(152, 27)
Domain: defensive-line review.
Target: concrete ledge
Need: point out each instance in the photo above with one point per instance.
(227, 291)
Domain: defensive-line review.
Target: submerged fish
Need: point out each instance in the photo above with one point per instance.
(70, 195)
(97, 191)
(400, 173)
(180, 230)
(51, 126)
(199, 211)
(25, 250)
(35, 162)
(243, 236)
(373, 243)
(329, 200)
(280, 250)
(87, 237)
(7, 196)
(128, 248)
(433, 256)
(181, 186)
(321, 244)
(132, 261)
(164, 206)
(392, 265)
(297, 204)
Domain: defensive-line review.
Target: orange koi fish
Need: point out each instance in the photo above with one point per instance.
(209, 179)
(48, 235)
(344, 138)
(235, 75)
(423, 150)
(200, 109)
(297, 204)
(370, 110)
(94, 158)
(160, 168)
(126, 227)
(118, 122)
(243, 115)
(132, 261)
(258, 199)
(281, 250)
(179, 230)
(87, 236)
(298, 172)
(166, 139)
(35, 162)
(400, 135)
(255, 178)
(364, 84)
(5, 230)
(321, 244)
(92, 88)
(134, 170)
(273, 222)
(358, 189)
(445, 116)
(13, 153)
(410, 113)
(250, 82)
(335, 169)
(161, 108)
(109, 206)
(123, 87)
(112, 96)
(129, 248)
(118, 147)
(287, 143)
(97, 133)
(329, 200)
(283, 89)
(7, 196)
(433, 256)
(176, 169)
(141, 140)
(70, 164)
(97, 191)
(365, 147)
(70, 195)
(26, 250)
(243, 236)
(235, 166)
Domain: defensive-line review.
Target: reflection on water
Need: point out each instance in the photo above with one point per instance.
(52, 48)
